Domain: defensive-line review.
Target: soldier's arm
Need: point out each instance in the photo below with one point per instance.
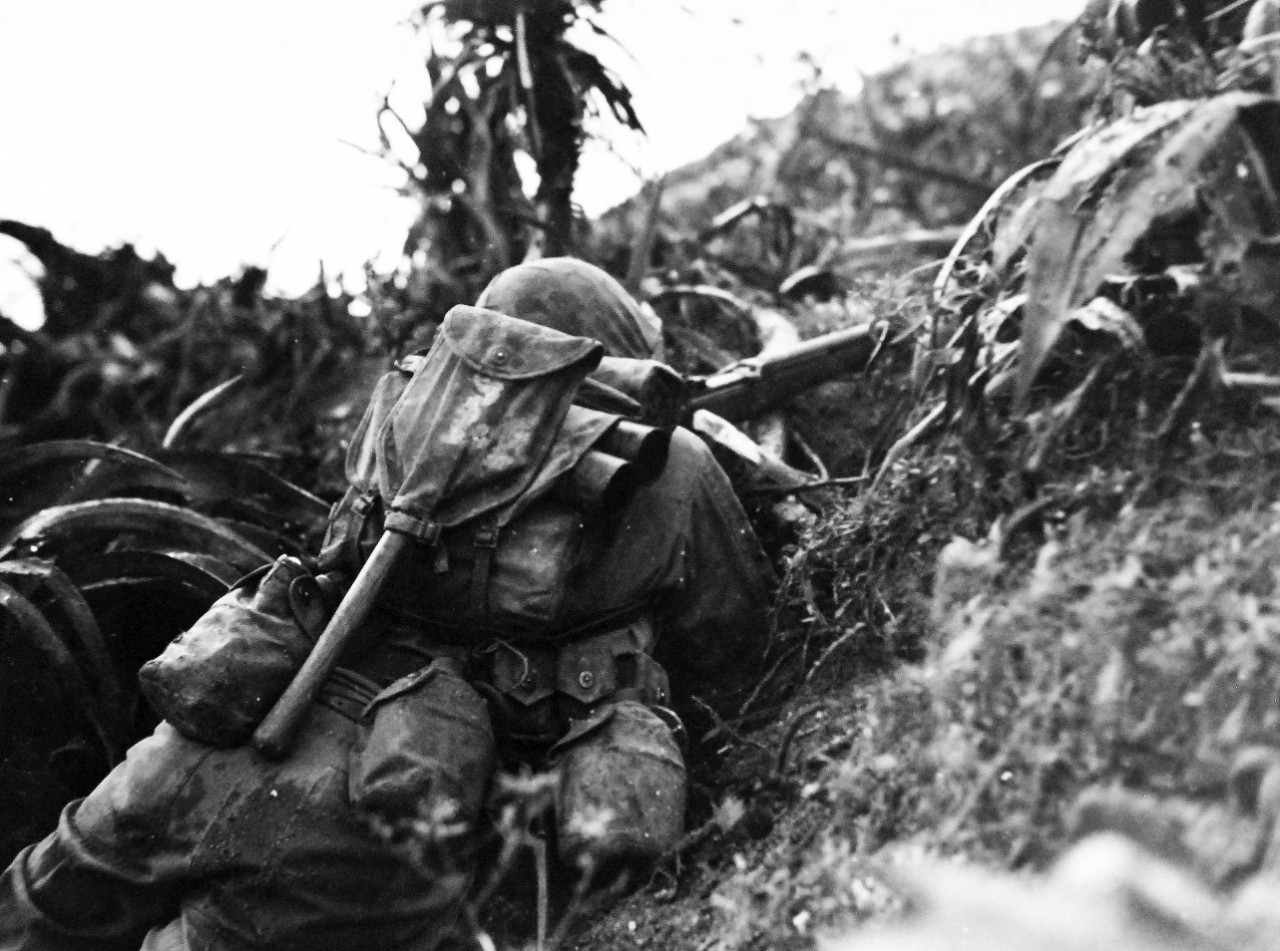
(114, 868)
(683, 548)
(715, 621)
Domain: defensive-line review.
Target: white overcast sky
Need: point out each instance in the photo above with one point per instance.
(215, 131)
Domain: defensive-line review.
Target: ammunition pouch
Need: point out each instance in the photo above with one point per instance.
(537, 691)
(597, 704)
(216, 681)
(621, 788)
(425, 753)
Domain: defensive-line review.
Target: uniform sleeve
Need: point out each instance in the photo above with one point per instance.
(111, 871)
(684, 548)
(714, 619)
(62, 894)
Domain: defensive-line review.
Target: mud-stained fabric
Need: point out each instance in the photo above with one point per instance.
(524, 584)
(216, 681)
(681, 551)
(683, 546)
(475, 424)
(576, 298)
(187, 848)
(425, 753)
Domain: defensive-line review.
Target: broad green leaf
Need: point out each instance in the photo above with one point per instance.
(1109, 192)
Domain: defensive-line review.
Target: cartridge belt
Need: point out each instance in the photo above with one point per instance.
(587, 671)
(348, 693)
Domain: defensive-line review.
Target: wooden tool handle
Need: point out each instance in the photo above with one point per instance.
(275, 734)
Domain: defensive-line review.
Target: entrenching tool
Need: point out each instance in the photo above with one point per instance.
(469, 436)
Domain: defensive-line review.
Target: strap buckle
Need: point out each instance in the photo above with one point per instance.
(419, 529)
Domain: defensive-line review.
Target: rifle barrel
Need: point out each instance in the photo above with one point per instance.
(757, 385)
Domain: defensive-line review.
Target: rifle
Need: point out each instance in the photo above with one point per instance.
(756, 385)
(656, 394)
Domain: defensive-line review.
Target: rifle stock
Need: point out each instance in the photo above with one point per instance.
(757, 385)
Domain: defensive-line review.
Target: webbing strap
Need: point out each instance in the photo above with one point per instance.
(361, 509)
(419, 529)
(485, 543)
(348, 693)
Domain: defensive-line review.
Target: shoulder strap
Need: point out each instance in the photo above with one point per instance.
(485, 542)
(362, 509)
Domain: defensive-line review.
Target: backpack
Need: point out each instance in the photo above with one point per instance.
(503, 571)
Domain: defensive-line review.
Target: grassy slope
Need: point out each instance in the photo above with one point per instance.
(990, 643)
(963, 668)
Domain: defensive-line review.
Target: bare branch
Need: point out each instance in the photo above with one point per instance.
(901, 160)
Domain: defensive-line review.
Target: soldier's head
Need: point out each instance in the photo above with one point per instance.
(576, 298)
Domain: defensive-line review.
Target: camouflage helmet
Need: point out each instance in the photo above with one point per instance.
(576, 298)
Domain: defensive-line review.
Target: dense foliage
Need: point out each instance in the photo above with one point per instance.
(919, 147)
(509, 81)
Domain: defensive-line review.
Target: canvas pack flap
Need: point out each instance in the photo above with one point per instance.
(473, 428)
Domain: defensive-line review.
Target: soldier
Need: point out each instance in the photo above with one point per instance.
(187, 846)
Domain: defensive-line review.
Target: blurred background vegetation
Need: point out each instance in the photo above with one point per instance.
(123, 349)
